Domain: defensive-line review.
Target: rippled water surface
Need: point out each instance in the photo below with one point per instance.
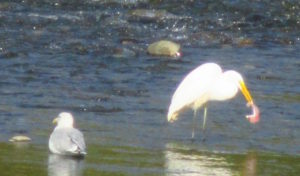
(90, 58)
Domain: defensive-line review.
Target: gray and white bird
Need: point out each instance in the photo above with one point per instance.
(65, 139)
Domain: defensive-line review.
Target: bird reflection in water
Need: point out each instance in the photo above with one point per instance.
(250, 164)
(185, 161)
(65, 165)
(180, 162)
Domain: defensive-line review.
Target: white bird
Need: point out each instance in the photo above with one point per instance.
(207, 83)
(65, 139)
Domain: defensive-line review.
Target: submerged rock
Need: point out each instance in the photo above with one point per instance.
(243, 42)
(20, 138)
(126, 41)
(145, 15)
(124, 2)
(123, 53)
(164, 48)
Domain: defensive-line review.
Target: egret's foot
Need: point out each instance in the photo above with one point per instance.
(193, 134)
(193, 139)
(204, 135)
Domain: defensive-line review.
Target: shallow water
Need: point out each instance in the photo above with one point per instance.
(90, 58)
(175, 159)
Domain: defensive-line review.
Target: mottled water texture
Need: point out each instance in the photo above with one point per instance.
(90, 58)
(125, 160)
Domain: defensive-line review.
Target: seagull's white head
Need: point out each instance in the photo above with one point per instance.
(64, 119)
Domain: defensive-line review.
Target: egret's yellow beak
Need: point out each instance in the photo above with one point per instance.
(246, 92)
(55, 120)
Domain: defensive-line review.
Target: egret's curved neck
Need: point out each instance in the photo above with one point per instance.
(224, 88)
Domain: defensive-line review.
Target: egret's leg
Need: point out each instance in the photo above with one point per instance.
(204, 122)
(204, 118)
(194, 123)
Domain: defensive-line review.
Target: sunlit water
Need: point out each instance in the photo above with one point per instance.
(71, 56)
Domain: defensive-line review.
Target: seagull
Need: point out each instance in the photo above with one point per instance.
(65, 139)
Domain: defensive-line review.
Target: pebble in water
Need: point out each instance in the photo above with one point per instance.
(20, 138)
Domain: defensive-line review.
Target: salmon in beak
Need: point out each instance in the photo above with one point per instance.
(255, 116)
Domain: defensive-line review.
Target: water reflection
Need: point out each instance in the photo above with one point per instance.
(250, 165)
(21, 145)
(65, 166)
(188, 162)
(183, 160)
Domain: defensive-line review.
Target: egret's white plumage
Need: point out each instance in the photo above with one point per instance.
(65, 139)
(193, 90)
(207, 83)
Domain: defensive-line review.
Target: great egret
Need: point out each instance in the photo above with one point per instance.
(207, 83)
(66, 140)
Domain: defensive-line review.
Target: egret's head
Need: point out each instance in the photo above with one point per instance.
(239, 81)
(64, 119)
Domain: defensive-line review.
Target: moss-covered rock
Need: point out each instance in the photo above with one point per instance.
(164, 48)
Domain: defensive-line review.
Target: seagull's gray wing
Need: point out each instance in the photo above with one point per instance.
(77, 138)
(67, 141)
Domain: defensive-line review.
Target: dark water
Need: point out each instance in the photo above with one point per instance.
(89, 58)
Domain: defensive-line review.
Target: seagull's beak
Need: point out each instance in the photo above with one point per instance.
(55, 120)
(246, 92)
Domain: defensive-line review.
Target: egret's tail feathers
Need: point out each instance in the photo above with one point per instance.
(172, 117)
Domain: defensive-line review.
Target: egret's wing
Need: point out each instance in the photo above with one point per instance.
(194, 87)
(67, 141)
